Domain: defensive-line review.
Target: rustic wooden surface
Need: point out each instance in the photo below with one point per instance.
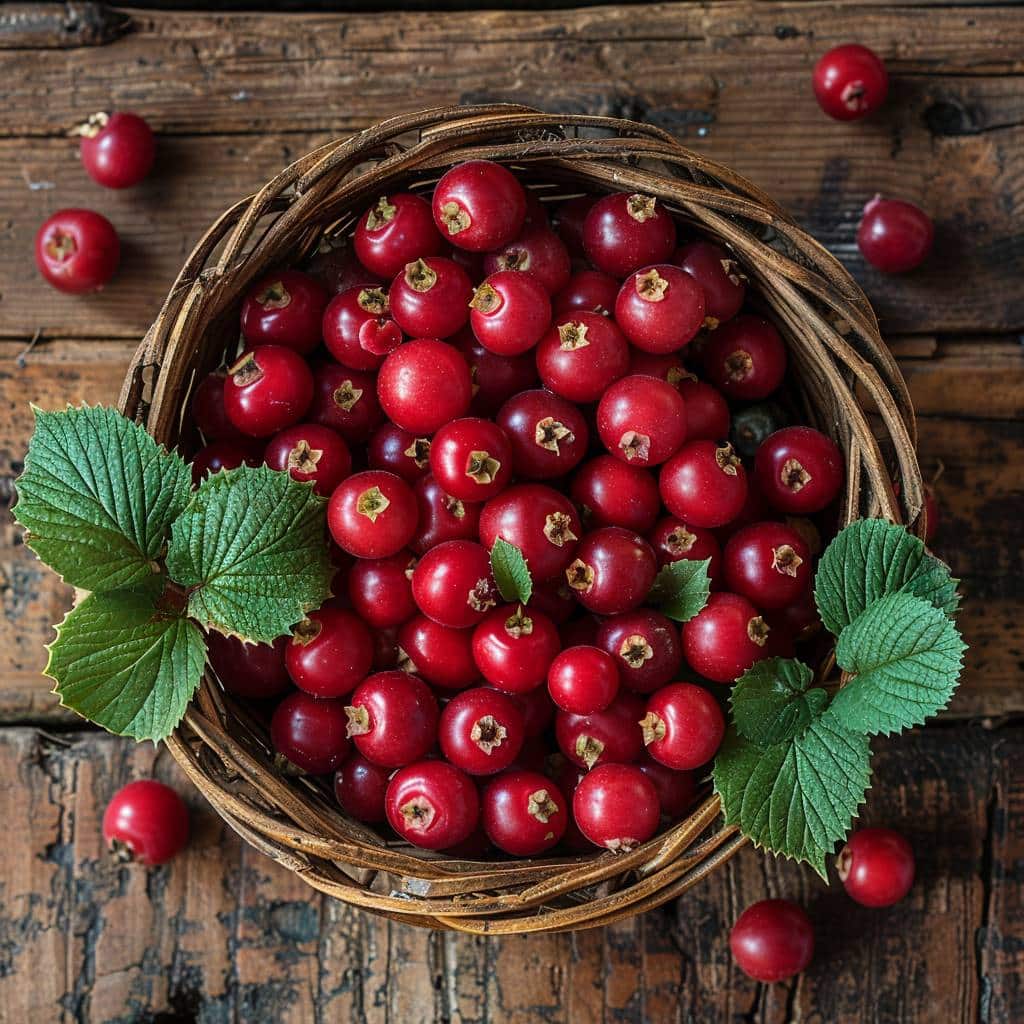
(224, 935)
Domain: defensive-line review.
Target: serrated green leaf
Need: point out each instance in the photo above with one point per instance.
(798, 798)
(98, 496)
(251, 548)
(771, 702)
(905, 656)
(126, 665)
(871, 558)
(681, 588)
(511, 573)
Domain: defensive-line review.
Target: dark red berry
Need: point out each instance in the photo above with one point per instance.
(745, 358)
(673, 539)
(799, 470)
(720, 277)
(308, 735)
(267, 389)
(876, 867)
(360, 787)
(616, 807)
(613, 570)
(430, 297)
(623, 233)
(442, 517)
(725, 638)
(548, 435)
(308, 451)
(660, 308)
(604, 737)
(471, 458)
(666, 366)
(772, 940)
(676, 790)
(432, 804)
(424, 384)
(536, 212)
(330, 652)
(707, 413)
(894, 235)
(249, 670)
(581, 355)
(441, 655)
(645, 647)
(372, 514)
(222, 455)
(704, 483)
(479, 205)
(537, 253)
(117, 149)
(77, 251)
(495, 378)
(509, 312)
(452, 584)
(285, 308)
(583, 680)
(769, 564)
(346, 401)
(337, 268)
(481, 731)
(683, 726)
(568, 221)
(344, 320)
(399, 451)
(513, 647)
(396, 230)
(392, 719)
(612, 493)
(524, 813)
(537, 709)
(850, 82)
(380, 590)
(554, 597)
(799, 621)
(208, 412)
(641, 420)
(589, 291)
(147, 822)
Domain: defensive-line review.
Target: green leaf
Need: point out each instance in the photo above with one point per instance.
(771, 702)
(98, 496)
(798, 798)
(871, 558)
(511, 573)
(252, 550)
(681, 588)
(125, 664)
(906, 658)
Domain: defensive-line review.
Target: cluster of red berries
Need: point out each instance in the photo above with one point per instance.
(546, 405)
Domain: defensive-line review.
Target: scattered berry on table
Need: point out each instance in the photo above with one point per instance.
(147, 822)
(772, 940)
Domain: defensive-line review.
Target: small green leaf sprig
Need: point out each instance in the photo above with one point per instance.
(114, 513)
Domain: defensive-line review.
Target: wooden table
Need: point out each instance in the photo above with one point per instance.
(223, 934)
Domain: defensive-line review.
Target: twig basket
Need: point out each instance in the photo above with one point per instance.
(835, 353)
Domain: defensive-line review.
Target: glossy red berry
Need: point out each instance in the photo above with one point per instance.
(745, 358)
(147, 822)
(329, 653)
(524, 813)
(623, 233)
(538, 253)
(876, 867)
(392, 719)
(430, 297)
(285, 308)
(548, 435)
(77, 251)
(452, 584)
(432, 804)
(666, 366)
(683, 727)
(660, 308)
(471, 458)
(613, 570)
(850, 82)
(704, 483)
(372, 514)
(589, 291)
(612, 493)
(360, 787)
(479, 205)
(612, 735)
(555, 599)
(380, 590)
(581, 356)
(424, 384)
(513, 648)
(676, 790)
(645, 647)
(725, 638)
(481, 731)
(894, 235)
(568, 220)
(267, 389)
(309, 452)
(509, 312)
(308, 735)
(222, 455)
(117, 149)
(357, 315)
(707, 413)
(641, 420)
(538, 711)
(441, 655)
(772, 940)
(583, 680)
(769, 564)
(720, 278)
(208, 412)
(255, 671)
(396, 230)
(442, 517)
(346, 401)
(799, 470)
(495, 378)
(399, 451)
(672, 539)
(616, 806)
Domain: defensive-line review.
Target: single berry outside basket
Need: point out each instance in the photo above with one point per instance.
(838, 360)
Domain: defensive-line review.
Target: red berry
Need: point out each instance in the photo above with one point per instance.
(399, 451)
(641, 420)
(222, 455)
(612, 493)
(430, 297)
(799, 621)
(772, 940)
(363, 306)
(676, 790)
(850, 82)
(208, 412)
(623, 233)
(660, 308)
(380, 590)
(77, 251)
(495, 378)
(548, 435)
(337, 269)
(509, 312)
(452, 584)
(479, 205)
(536, 212)
(683, 726)
(645, 647)
(718, 274)
(589, 291)
(481, 731)
(392, 719)
(513, 648)
(330, 652)
(704, 483)
(616, 806)
(249, 670)
(745, 358)
(385, 649)
(539, 521)
(308, 735)
(524, 813)
(537, 709)
(798, 470)
(424, 384)
(441, 655)
(876, 867)
(583, 680)
(673, 539)
(613, 570)
(308, 451)
(666, 366)
(609, 736)
(432, 804)
(555, 599)
(117, 149)
(725, 638)
(346, 401)
(360, 787)
(442, 517)
(372, 514)
(707, 414)
(769, 564)
(568, 221)
(147, 822)
(396, 230)
(537, 253)
(894, 235)
(267, 389)
(581, 355)
(286, 308)
(471, 458)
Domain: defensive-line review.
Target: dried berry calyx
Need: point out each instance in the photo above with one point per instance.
(481, 597)
(653, 728)
(514, 259)
(371, 503)
(304, 459)
(306, 632)
(635, 650)
(455, 218)
(588, 749)
(419, 452)
(485, 299)
(580, 576)
(651, 286)
(558, 529)
(358, 721)
(539, 805)
(572, 336)
(455, 507)
(274, 296)
(635, 445)
(757, 630)
(488, 733)
(419, 276)
(738, 365)
(641, 207)
(92, 127)
(519, 624)
(794, 476)
(346, 394)
(727, 459)
(418, 813)
(482, 467)
(785, 560)
(60, 246)
(373, 300)
(404, 662)
(549, 432)
(246, 371)
(680, 541)
(381, 213)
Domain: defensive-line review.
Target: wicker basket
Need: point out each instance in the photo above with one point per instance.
(836, 354)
